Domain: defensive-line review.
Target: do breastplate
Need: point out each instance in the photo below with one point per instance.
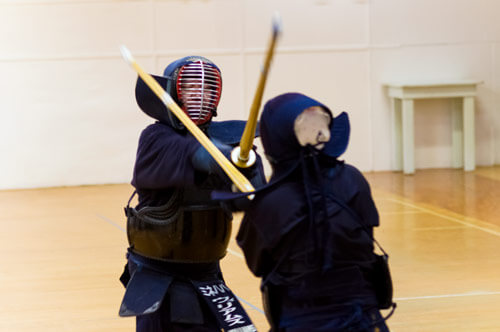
(188, 228)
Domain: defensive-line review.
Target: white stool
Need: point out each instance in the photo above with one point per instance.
(402, 96)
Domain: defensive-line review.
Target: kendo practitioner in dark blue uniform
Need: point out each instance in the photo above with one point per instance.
(176, 233)
(300, 234)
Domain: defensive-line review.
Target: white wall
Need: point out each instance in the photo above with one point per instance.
(68, 113)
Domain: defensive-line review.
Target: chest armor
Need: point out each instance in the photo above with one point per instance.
(189, 228)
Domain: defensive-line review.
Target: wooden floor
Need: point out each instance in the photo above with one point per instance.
(63, 250)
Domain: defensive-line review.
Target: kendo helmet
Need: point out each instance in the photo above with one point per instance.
(193, 82)
(278, 133)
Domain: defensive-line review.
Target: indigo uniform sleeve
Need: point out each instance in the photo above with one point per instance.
(267, 225)
(164, 158)
(256, 255)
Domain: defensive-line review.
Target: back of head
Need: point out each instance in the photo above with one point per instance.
(277, 125)
(277, 128)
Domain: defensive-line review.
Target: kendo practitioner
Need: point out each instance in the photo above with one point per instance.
(176, 233)
(300, 235)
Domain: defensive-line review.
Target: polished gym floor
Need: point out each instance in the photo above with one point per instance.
(64, 249)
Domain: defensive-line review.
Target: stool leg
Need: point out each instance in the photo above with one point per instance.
(457, 134)
(408, 137)
(469, 134)
(396, 134)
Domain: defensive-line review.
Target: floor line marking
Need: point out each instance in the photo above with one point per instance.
(480, 293)
(484, 229)
(235, 253)
(109, 221)
(438, 228)
(251, 305)
(399, 212)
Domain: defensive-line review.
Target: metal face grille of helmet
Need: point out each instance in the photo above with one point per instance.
(199, 87)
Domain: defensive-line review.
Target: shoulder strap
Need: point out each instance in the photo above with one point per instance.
(130, 199)
(127, 208)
